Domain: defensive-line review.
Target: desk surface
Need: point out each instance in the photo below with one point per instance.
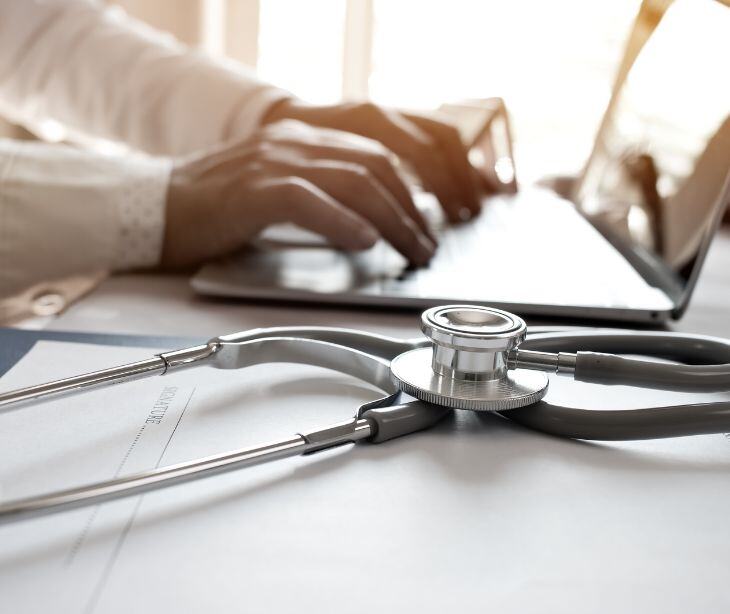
(165, 305)
(474, 513)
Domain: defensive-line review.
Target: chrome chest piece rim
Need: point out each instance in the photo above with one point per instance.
(466, 367)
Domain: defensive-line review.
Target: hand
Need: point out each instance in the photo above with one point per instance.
(434, 148)
(337, 184)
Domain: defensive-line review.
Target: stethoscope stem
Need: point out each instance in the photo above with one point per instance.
(561, 363)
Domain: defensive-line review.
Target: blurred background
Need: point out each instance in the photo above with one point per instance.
(553, 62)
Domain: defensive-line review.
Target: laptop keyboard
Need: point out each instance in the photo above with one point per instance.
(529, 247)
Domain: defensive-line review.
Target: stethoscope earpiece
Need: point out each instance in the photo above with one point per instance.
(467, 365)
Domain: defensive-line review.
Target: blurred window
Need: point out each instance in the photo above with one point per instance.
(553, 62)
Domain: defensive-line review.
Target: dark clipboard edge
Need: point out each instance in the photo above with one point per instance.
(16, 343)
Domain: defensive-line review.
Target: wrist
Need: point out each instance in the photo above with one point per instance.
(336, 116)
(287, 108)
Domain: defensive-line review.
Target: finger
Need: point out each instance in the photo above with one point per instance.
(416, 146)
(382, 192)
(449, 140)
(400, 136)
(354, 187)
(486, 183)
(376, 159)
(364, 193)
(295, 200)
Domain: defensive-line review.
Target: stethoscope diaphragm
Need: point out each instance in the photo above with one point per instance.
(467, 365)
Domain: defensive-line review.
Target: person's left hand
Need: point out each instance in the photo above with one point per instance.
(433, 147)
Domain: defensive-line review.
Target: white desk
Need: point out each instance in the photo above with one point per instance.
(158, 305)
(475, 515)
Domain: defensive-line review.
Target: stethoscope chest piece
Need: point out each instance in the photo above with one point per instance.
(466, 368)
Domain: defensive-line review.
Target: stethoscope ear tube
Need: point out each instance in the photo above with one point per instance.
(681, 347)
(627, 424)
(695, 374)
(608, 369)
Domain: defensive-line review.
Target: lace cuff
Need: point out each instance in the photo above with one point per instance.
(141, 211)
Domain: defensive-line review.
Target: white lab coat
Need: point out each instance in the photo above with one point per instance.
(65, 210)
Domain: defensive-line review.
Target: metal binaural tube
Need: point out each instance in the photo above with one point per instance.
(157, 365)
(142, 482)
(349, 432)
(105, 377)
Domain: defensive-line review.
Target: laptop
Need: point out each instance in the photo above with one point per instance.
(627, 245)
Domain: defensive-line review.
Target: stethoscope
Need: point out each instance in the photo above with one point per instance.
(472, 357)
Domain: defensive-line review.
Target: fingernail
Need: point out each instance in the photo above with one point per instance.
(367, 236)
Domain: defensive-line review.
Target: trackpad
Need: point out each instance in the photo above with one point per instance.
(312, 269)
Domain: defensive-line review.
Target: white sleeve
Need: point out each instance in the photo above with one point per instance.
(65, 211)
(99, 72)
(102, 74)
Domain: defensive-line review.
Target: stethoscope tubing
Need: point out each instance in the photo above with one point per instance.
(367, 356)
(704, 366)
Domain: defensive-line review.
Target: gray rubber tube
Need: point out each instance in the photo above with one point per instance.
(627, 424)
(684, 348)
(609, 369)
(705, 369)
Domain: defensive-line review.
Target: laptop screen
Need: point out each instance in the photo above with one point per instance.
(657, 173)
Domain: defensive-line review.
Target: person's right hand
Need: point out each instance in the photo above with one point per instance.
(334, 183)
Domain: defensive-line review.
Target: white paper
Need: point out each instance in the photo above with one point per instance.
(475, 514)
